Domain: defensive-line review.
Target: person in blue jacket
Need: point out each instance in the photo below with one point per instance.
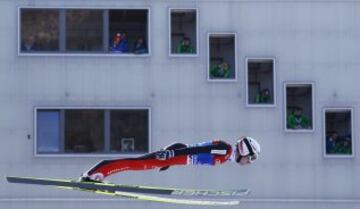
(119, 43)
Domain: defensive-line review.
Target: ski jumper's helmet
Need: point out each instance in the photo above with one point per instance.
(248, 146)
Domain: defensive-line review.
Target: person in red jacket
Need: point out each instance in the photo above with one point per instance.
(245, 151)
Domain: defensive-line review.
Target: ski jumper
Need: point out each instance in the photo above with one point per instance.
(205, 153)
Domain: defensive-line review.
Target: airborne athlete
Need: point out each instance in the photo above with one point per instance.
(245, 151)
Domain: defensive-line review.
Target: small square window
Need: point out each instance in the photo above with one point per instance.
(221, 57)
(39, 30)
(183, 32)
(84, 131)
(129, 130)
(128, 31)
(338, 132)
(260, 82)
(299, 107)
(84, 30)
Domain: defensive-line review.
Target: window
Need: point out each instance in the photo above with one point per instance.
(299, 99)
(84, 131)
(338, 132)
(39, 30)
(92, 131)
(84, 31)
(221, 57)
(48, 131)
(183, 32)
(260, 75)
(132, 26)
(126, 127)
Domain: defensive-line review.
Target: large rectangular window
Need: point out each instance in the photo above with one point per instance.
(260, 76)
(299, 100)
(338, 132)
(183, 32)
(92, 131)
(221, 57)
(84, 31)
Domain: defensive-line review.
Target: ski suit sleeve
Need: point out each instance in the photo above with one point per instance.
(216, 148)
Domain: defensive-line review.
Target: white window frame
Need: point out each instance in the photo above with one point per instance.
(247, 59)
(353, 137)
(222, 34)
(313, 121)
(80, 54)
(197, 32)
(36, 108)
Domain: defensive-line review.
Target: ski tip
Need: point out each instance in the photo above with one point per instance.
(14, 179)
(246, 192)
(9, 178)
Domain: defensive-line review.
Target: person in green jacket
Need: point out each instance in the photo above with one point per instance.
(344, 146)
(297, 120)
(263, 96)
(220, 71)
(185, 47)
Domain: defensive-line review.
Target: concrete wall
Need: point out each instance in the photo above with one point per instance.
(311, 41)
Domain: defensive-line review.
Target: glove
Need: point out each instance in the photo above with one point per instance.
(164, 154)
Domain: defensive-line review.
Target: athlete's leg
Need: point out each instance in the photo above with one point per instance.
(172, 146)
(145, 162)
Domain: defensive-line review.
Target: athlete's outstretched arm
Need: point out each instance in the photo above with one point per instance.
(217, 148)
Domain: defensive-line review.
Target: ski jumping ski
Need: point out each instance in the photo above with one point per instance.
(137, 192)
(153, 198)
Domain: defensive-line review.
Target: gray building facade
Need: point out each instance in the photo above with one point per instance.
(314, 65)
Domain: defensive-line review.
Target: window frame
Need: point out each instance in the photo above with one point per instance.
(353, 137)
(104, 108)
(197, 32)
(224, 34)
(82, 54)
(300, 84)
(274, 104)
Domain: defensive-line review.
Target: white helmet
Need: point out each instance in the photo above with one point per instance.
(248, 146)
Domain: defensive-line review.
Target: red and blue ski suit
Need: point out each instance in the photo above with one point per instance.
(205, 153)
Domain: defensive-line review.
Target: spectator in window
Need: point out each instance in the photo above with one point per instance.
(344, 146)
(185, 47)
(140, 46)
(120, 43)
(347, 146)
(221, 70)
(28, 44)
(331, 143)
(263, 96)
(297, 120)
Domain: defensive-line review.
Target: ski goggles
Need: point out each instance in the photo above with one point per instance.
(252, 158)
